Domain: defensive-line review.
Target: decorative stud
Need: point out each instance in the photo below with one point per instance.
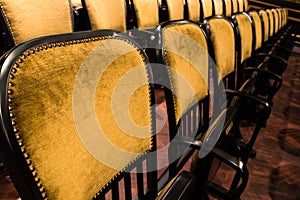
(23, 56)
(31, 168)
(21, 144)
(34, 174)
(23, 149)
(13, 70)
(26, 155)
(37, 179)
(18, 137)
(28, 162)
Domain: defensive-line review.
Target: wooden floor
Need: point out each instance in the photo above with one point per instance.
(275, 172)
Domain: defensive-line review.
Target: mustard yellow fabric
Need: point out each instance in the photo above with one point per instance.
(218, 6)
(31, 19)
(207, 8)
(228, 8)
(187, 57)
(279, 18)
(76, 3)
(194, 9)
(265, 19)
(246, 5)
(235, 6)
(286, 14)
(175, 8)
(146, 13)
(241, 5)
(271, 22)
(50, 91)
(276, 20)
(107, 14)
(258, 29)
(245, 29)
(223, 39)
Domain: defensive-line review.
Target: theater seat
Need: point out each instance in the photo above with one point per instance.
(24, 20)
(65, 133)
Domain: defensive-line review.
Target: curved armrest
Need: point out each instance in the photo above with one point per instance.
(270, 75)
(264, 107)
(282, 63)
(205, 142)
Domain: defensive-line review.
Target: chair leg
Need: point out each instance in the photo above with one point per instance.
(236, 191)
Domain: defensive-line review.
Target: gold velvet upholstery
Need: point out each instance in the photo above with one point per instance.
(194, 9)
(258, 29)
(76, 3)
(279, 18)
(285, 15)
(228, 7)
(146, 13)
(218, 7)
(241, 5)
(186, 56)
(265, 19)
(235, 6)
(175, 9)
(271, 22)
(246, 5)
(245, 30)
(31, 19)
(223, 37)
(107, 14)
(276, 20)
(82, 111)
(207, 8)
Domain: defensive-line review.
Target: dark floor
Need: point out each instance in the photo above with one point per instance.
(275, 172)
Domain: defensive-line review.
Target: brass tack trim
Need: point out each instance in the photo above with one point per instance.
(12, 116)
(28, 162)
(18, 137)
(23, 56)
